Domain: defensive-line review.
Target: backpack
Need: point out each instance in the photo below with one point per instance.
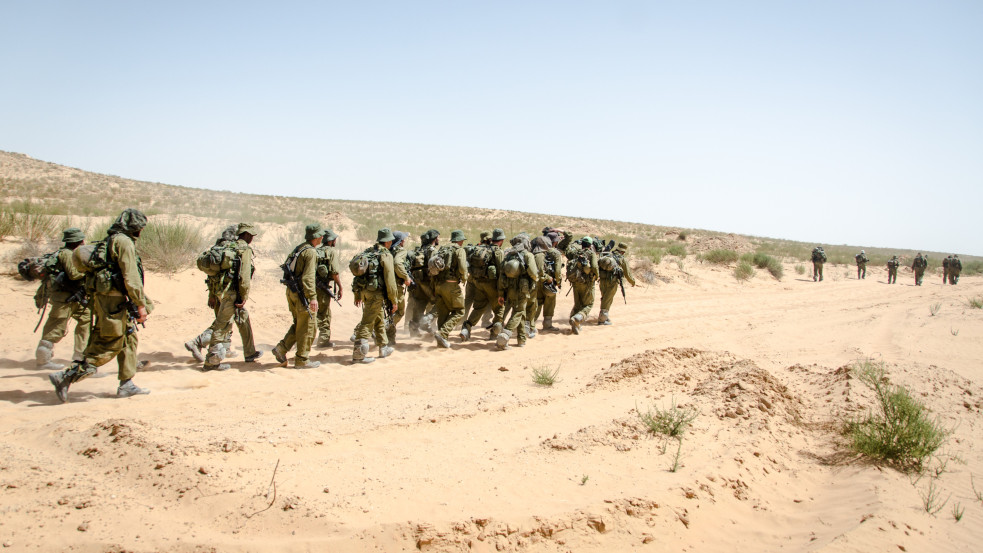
(514, 264)
(607, 262)
(365, 267)
(579, 269)
(102, 273)
(33, 268)
(218, 259)
(481, 262)
(440, 261)
(818, 255)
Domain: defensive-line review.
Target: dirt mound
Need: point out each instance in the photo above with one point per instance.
(703, 243)
(620, 434)
(748, 393)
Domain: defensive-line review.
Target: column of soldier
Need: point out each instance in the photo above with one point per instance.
(101, 287)
(951, 267)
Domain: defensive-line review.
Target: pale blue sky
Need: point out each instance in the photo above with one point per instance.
(830, 122)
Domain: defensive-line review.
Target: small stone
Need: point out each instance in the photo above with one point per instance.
(83, 527)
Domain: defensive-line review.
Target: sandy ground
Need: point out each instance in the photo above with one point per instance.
(458, 450)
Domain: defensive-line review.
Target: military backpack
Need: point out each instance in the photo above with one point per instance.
(481, 262)
(818, 255)
(366, 268)
(33, 268)
(514, 264)
(220, 258)
(607, 262)
(579, 269)
(102, 274)
(440, 261)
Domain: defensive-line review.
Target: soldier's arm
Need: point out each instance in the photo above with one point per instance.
(593, 264)
(399, 266)
(627, 271)
(126, 256)
(533, 267)
(65, 258)
(462, 264)
(308, 274)
(389, 274)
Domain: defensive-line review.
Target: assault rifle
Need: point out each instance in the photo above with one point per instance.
(387, 306)
(132, 311)
(293, 284)
(330, 287)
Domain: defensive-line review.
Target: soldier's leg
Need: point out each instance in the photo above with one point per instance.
(549, 309)
(290, 338)
(241, 318)
(323, 331)
(54, 330)
(480, 303)
(305, 330)
(529, 314)
(608, 291)
(453, 299)
(470, 289)
(221, 331)
(372, 306)
(83, 327)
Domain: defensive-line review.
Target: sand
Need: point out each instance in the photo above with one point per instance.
(459, 450)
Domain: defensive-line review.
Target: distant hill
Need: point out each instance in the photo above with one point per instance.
(67, 191)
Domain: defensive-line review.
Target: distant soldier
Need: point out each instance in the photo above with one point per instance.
(549, 287)
(374, 290)
(485, 266)
(955, 267)
(614, 271)
(918, 266)
(64, 289)
(818, 258)
(892, 270)
(328, 283)
(540, 246)
(300, 276)
(195, 345)
(582, 272)
(118, 306)
(401, 270)
(516, 284)
(945, 269)
(469, 288)
(862, 261)
(421, 295)
(447, 287)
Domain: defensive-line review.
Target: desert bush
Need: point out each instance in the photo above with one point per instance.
(644, 270)
(900, 432)
(800, 269)
(765, 261)
(170, 247)
(720, 257)
(976, 303)
(35, 225)
(682, 235)
(744, 270)
(671, 422)
(934, 308)
(544, 376)
(678, 250)
(7, 222)
(972, 268)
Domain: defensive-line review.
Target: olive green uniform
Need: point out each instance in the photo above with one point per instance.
(447, 289)
(862, 261)
(583, 290)
(401, 274)
(328, 265)
(892, 270)
(918, 265)
(545, 300)
(818, 258)
(372, 297)
(516, 292)
(229, 289)
(421, 294)
(609, 285)
(60, 311)
(301, 332)
(486, 291)
(955, 267)
(532, 305)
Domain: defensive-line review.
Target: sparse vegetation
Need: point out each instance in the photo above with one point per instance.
(954, 331)
(170, 247)
(743, 271)
(932, 500)
(644, 271)
(678, 250)
(584, 479)
(35, 224)
(976, 303)
(682, 235)
(957, 511)
(800, 269)
(934, 308)
(677, 457)
(765, 261)
(900, 433)
(670, 422)
(544, 376)
(720, 257)
(7, 222)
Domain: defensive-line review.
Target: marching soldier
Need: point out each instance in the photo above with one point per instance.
(328, 284)
(612, 276)
(301, 300)
(65, 291)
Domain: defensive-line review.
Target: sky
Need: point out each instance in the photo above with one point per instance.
(834, 122)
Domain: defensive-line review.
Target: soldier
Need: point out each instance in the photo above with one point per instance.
(231, 291)
(485, 266)
(195, 345)
(300, 276)
(582, 272)
(613, 273)
(549, 287)
(539, 246)
(118, 305)
(918, 266)
(64, 289)
(516, 284)
(955, 267)
(375, 292)
(469, 288)
(818, 258)
(401, 271)
(421, 294)
(861, 265)
(447, 287)
(892, 270)
(328, 284)
(945, 269)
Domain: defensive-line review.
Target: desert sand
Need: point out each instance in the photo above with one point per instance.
(459, 450)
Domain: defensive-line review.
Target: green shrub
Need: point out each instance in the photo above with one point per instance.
(7, 223)
(678, 250)
(170, 247)
(900, 432)
(765, 261)
(800, 269)
(744, 270)
(545, 377)
(671, 422)
(720, 257)
(976, 303)
(35, 225)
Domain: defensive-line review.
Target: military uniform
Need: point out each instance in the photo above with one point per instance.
(818, 258)
(892, 270)
(328, 269)
(945, 269)
(114, 333)
(371, 291)
(447, 289)
(401, 272)
(955, 267)
(549, 288)
(515, 292)
(230, 290)
(582, 271)
(66, 295)
(195, 345)
(538, 248)
(918, 266)
(861, 265)
(486, 287)
(301, 332)
(421, 295)
(610, 282)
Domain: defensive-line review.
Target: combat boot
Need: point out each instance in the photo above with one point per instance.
(252, 358)
(192, 347)
(220, 367)
(306, 364)
(215, 355)
(502, 340)
(575, 322)
(325, 343)
(61, 380)
(465, 331)
(386, 351)
(441, 341)
(603, 318)
(360, 351)
(43, 356)
(548, 324)
(280, 355)
(128, 388)
(496, 329)
(531, 329)
(391, 334)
